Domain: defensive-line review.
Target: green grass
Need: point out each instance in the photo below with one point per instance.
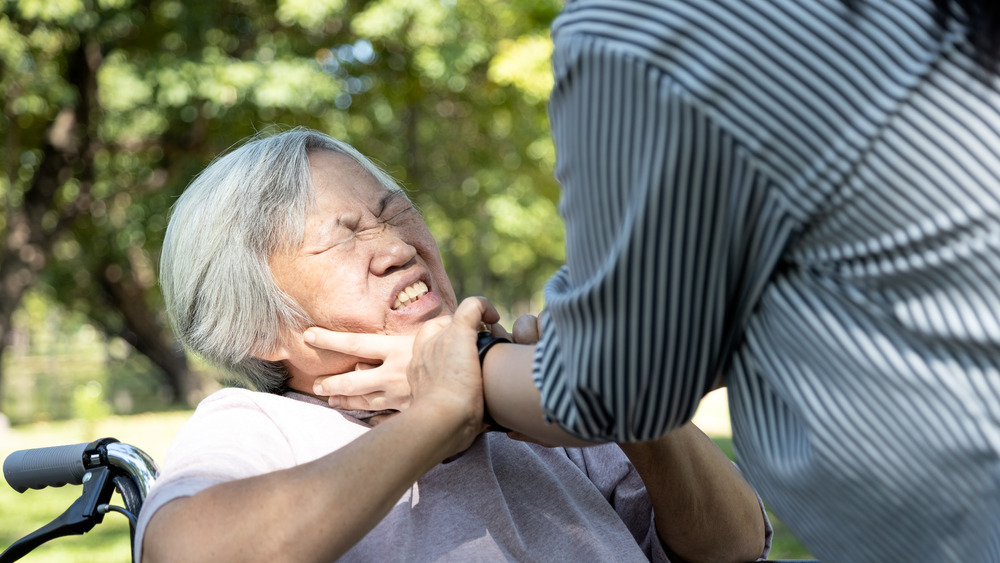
(21, 514)
(24, 513)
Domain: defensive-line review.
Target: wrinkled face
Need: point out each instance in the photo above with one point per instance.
(368, 264)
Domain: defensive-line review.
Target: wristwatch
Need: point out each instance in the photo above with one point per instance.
(484, 341)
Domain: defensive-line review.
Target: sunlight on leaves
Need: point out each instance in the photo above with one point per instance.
(525, 63)
(113, 4)
(12, 44)
(294, 84)
(382, 18)
(50, 10)
(121, 86)
(516, 219)
(174, 87)
(307, 13)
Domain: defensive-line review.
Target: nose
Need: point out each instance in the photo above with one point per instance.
(391, 252)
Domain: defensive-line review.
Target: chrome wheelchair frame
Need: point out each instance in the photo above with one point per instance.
(102, 467)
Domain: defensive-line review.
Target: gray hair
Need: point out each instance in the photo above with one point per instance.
(246, 206)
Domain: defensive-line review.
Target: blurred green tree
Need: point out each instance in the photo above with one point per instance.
(111, 106)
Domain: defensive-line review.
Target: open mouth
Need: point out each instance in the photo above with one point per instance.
(409, 295)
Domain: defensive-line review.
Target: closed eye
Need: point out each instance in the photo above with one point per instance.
(402, 215)
(320, 249)
(332, 235)
(394, 207)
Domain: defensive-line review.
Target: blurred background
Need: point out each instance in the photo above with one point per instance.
(110, 107)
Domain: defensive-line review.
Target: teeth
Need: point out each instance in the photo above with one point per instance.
(409, 294)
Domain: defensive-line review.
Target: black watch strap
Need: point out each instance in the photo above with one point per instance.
(485, 341)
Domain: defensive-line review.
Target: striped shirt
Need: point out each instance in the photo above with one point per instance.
(805, 201)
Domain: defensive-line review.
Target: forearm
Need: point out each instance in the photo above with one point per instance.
(704, 509)
(513, 400)
(312, 512)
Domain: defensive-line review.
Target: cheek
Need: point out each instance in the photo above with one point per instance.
(335, 311)
(351, 311)
(303, 284)
(428, 249)
(315, 282)
(326, 296)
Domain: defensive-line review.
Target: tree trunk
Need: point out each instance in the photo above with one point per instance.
(5, 331)
(66, 154)
(144, 330)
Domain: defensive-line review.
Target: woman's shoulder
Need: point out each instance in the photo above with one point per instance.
(228, 415)
(230, 398)
(236, 396)
(236, 416)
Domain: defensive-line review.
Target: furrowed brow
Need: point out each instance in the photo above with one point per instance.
(386, 200)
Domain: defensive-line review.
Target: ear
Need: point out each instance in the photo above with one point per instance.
(277, 354)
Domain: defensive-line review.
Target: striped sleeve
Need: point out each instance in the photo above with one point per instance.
(637, 315)
(805, 198)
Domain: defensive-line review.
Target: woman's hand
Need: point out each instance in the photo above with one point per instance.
(445, 372)
(371, 387)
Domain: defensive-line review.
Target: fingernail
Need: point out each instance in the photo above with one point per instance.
(308, 337)
(318, 389)
(334, 401)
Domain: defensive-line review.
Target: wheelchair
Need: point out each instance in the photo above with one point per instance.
(102, 467)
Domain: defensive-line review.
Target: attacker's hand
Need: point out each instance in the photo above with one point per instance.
(445, 370)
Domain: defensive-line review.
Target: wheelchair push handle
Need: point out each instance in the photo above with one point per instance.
(47, 467)
(102, 467)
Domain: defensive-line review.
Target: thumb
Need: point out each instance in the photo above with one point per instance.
(475, 310)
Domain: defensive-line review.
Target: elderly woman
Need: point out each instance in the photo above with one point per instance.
(297, 230)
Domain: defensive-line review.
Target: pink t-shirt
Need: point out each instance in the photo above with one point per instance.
(500, 500)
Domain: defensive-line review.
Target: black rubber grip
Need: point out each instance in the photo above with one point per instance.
(45, 467)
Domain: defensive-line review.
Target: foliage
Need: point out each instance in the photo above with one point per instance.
(136, 96)
(59, 355)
